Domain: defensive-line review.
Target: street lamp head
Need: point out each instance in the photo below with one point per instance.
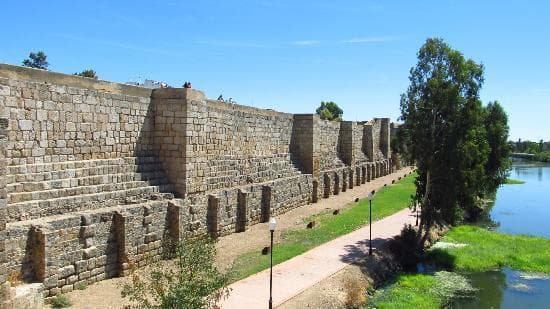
(370, 196)
(272, 224)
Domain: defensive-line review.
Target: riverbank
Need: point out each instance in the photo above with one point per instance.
(477, 249)
(464, 249)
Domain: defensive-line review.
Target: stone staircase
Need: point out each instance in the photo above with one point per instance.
(41, 190)
(83, 221)
(226, 171)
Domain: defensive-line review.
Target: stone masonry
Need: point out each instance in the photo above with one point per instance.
(96, 176)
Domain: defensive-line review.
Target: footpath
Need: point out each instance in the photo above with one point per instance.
(292, 277)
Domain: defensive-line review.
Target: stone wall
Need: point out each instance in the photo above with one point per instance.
(68, 250)
(51, 122)
(358, 131)
(243, 144)
(170, 132)
(329, 144)
(96, 175)
(3, 208)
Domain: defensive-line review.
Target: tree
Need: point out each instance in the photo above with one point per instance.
(532, 147)
(444, 133)
(330, 111)
(194, 281)
(87, 73)
(37, 61)
(498, 163)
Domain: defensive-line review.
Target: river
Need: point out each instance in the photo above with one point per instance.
(518, 209)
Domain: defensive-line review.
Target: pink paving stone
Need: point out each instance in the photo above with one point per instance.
(292, 277)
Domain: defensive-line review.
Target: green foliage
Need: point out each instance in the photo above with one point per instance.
(194, 283)
(486, 250)
(330, 111)
(60, 301)
(405, 248)
(89, 73)
(532, 148)
(527, 147)
(498, 162)
(542, 156)
(510, 181)
(445, 134)
(81, 286)
(387, 201)
(37, 61)
(423, 291)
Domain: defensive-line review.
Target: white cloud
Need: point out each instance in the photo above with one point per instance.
(375, 39)
(226, 43)
(305, 42)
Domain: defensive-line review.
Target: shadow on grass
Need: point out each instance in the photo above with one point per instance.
(440, 258)
(383, 264)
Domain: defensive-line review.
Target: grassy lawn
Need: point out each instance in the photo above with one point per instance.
(387, 201)
(510, 181)
(487, 250)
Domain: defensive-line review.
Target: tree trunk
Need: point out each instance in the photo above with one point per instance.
(424, 228)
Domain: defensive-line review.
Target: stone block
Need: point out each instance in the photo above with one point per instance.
(66, 271)
(150, 237)
(67, 289)
(25, 125)
(84, 275)
(147, 220)
(89, 253)
(87, 231)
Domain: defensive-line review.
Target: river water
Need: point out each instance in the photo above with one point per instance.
(518, 209)
(524, 208)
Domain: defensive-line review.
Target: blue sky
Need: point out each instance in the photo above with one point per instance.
(290, 55)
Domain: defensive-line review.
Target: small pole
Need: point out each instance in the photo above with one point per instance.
(370, 226)
(416, 212)
(271, 273)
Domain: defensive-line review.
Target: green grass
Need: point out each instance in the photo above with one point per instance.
(423, 291)
(510, 181)
(487, 250)
(409, 291)
(388, 200)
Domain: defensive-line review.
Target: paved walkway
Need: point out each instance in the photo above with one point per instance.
(299, 273)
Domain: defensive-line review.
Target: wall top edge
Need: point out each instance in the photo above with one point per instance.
(15, 72)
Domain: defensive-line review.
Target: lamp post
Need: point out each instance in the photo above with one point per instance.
(416, 212)
(272, 226)
(370, 223)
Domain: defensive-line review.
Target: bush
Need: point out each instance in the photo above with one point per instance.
(543, 156)
(61, 301)
(405, 248)
(194, 281)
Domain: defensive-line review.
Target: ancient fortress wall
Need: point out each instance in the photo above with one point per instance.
(95, 176)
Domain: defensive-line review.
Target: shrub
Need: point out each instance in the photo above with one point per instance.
(194, 281)
(543, 156)
(61, 301)
(405, 248)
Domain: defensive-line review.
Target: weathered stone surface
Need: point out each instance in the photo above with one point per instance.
(94, 175)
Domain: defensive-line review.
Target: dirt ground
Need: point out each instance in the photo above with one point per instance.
(330, 293)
